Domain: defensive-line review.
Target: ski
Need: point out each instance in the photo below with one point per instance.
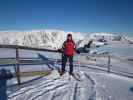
(74, 75)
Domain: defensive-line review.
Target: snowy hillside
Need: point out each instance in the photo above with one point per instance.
(102, 38)
(106, 36)
(54, 38)
(37, 38)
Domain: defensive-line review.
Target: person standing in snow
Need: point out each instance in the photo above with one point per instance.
(68, 50)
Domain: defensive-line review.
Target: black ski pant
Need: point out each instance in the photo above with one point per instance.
(64, 61)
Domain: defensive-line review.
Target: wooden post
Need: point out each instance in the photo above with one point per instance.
(109, 60)
(15, 69)
(17, 66)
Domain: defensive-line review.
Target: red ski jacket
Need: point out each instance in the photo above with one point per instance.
(68, 48)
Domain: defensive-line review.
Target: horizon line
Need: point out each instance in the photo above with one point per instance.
(48, 29)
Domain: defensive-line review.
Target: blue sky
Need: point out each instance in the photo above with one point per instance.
(68, 15)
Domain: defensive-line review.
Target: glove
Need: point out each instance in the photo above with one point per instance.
(78, 51)
(60, 50)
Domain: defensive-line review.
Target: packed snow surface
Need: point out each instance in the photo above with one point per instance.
(93, 86)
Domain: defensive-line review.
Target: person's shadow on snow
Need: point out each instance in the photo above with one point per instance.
(4, 75)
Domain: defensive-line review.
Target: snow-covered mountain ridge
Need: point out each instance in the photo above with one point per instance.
(53, 38)
(37, 38)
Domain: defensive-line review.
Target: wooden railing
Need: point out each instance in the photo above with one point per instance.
(107, 55)
(17, 61)
(27, 48)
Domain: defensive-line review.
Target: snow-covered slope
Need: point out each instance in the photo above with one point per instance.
(107, 37)
(54, 38)
(37, 38)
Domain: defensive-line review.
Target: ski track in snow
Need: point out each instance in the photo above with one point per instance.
(58, 88)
